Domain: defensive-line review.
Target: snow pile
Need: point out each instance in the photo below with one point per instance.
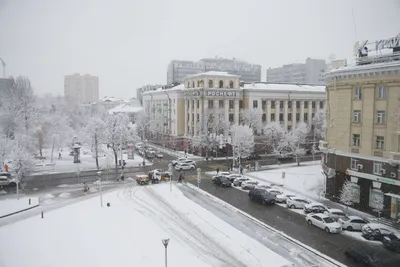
(8, 206)
(130, 179)
(65, 195)
(92, 190)
(63, 185)
(48, 196)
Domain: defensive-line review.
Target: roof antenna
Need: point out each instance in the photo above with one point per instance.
(354, 24)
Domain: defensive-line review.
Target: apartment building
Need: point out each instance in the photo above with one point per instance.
(363, 133)
(81, 88)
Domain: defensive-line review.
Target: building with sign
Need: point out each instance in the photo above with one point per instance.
(363, 133)
(181, 107)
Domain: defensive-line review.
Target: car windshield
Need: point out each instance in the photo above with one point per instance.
(345, 218)
(328, 220)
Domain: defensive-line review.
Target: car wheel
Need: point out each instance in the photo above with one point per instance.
(192, 169)
(327, 230)
(251, 197)
(263, 202)
(371, 238)
(180, 169)
(142, 182)
(309, 222)
(292, 206)
(12, 184)
(244, 188)
(272, 201)
(349, 228)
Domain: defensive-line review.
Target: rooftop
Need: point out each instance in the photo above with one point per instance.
(364, 68)
(175, 88)
(125, 108)
(285, 87)
(213, 73)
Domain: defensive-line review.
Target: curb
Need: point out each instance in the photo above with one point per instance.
(226, 204)
(16, 212)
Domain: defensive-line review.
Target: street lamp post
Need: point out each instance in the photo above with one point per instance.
(165, 243)
(4, 67)
(101, 192)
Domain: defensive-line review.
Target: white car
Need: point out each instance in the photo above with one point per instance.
(263, 186)
(174, 162)
(185, 167)
(352, 223)
(283, 197)
(239, 181)
(249, 184)
(274, 191)
(296, 202)
(324, 222)
(231, 177)
(336, 214)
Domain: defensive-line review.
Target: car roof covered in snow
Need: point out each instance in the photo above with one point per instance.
(335, 210)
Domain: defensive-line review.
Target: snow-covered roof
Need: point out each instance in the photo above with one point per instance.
(175, 88)
(125, 108)
(365, 67)
(213, 73)
(285, 87)
(111, 99)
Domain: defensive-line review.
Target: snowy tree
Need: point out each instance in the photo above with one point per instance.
(320, 189)
(252, 117)
(274, 133)
(94, 133)
(296, 138)
(319, 124)
(22, 163)
(242, 141)
(210, 130)
(108, 163)
(346, 194)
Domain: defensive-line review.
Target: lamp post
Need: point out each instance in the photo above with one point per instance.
(4, 67)
(165, 243)
(101, 192)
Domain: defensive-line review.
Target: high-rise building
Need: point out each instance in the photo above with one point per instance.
(178, 70)
(146, 88)
(310, 72)
(81, 88)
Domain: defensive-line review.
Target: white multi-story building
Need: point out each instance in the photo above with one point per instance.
(310, 72)
(81, 88)
(141, 90)
(182, 106)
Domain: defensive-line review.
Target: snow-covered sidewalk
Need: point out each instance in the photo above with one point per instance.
(137, 220)
(11, 205)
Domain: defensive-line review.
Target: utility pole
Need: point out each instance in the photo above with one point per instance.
(4, 67)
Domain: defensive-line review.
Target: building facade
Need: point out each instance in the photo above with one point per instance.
(81, 88)
(200, 93)
(141, 90)
(310, 72)
(179, 70)
(363, 133)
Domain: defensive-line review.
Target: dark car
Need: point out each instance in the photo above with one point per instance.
(375, 232)
(262, 196)
(392, 242)
(369, 256)
(253, 157)
(317, 209)
(222, 181)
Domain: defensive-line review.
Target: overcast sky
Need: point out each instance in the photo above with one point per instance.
(129, 43)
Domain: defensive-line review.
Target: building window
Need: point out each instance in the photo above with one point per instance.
(377, 167)
(289, 128)
(240, 104)
(201, 83)
(321, 104)
(210, 103)
(272, 104)
(353, 164)
(198, 117)
(289, 116)
(280, 104)
(221, 84)
(264, 117)
(305, 104)
(221, 103)
(263, 104)
(281, 117)
(198, 83)
(297, 117)
(188, 116)
(231, 116)
(193, 84)
(272, 116)
(358, 93)
(380, 142)
(297, 104)
(355, 193)
(210, 84)
(231, 84)
(305, 119)
(231, 104)
(312, 115)
(289, 104)
(356, 116)
(313, 104)
(188, 85)
(381, 117)
(356, 140)
(376, 199)
(382, 92)
(198, 103)
(255, 104)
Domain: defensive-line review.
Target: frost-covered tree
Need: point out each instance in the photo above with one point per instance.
(346, 195)
(320, 189)
(296, 138)
(210, 130)
(242, 141)
(108, 163)
(274, 133)
(252, 117)
(22, 163)
(319, 124)
(94, 134)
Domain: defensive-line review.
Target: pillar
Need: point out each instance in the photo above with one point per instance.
(302, 110)
(285, 113)
(186, 116)
(268, 111)
(236, 116)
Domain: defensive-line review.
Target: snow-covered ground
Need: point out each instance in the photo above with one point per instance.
(65, 164)
(8, 205)
(129, 233)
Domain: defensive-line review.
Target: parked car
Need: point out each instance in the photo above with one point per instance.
(283, 197)
(374, 231)
(263, 186)
(315, 207)
(232, 177)
(368, 256)
(352, 223)
(392, 242)
(176, 161)
(222, 181)
(296, 202)
(336, 214)
(7, 180)
(261, 196)
(324, 222)
(185, 167)
(224, 173)
(159, 155)
(249, 185)
(274, 191)
(238, 181)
